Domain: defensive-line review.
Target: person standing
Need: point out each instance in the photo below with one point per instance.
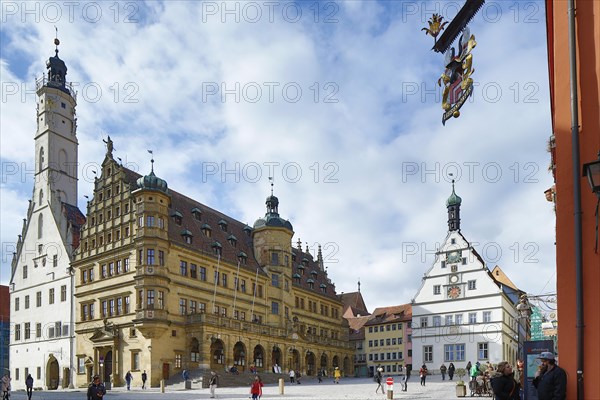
(29, 385)
(550, 380)
(128, 379)
(378, 378)
(292, 376)
(256, 388)
(186, 375)
(407, 376)
(212, 383)
(443, 370)
(451, 369)
(96, 390)
(423, 374)
(320, 375)
(5, 387)
(504, 385)
(337, 374)
(144, 379)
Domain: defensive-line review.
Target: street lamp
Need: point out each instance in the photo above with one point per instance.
(592, 171)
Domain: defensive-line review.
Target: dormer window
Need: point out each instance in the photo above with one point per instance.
(301, 269)
(177, 217)
(223, 225)
(323, 288)
(311, 283)
(232, 240)
(305, 261)
(243, 257)
(217, 248)
(206, 230)
(247, 230)
(187, 236)
(313, 273)
(196, 213)
(296, 278)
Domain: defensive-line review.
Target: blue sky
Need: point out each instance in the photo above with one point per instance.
(338, 100)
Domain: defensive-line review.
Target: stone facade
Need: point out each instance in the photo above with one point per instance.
(165, 283)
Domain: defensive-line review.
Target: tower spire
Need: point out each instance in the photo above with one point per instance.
(453, 206)
(56, 41)
(358, 285)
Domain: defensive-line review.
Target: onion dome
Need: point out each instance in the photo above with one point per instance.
(272, 218)
(152, 182)
(454, 199)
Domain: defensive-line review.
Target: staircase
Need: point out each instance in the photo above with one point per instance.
(201, 377)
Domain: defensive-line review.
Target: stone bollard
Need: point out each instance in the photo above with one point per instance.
(162, 385)
(281, 386)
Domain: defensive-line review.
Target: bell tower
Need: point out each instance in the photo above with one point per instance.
(55, 138)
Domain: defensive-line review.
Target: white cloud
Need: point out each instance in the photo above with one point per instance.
(371, 58)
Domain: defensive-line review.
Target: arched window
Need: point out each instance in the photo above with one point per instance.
(41, 198)
(40, 225)
(41, 160)
(63, 160)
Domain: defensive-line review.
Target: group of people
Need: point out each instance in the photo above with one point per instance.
(378, 377)
(129, 378)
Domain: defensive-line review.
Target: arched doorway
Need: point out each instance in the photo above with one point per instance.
(107, 366)
(217, 355)
(276, 356)
(294, 360)
(310, 363)
(323, 365)
(347, 370)
(52, 373)
(195, 350)
(239, 356)
(336, 362)
(258, 357)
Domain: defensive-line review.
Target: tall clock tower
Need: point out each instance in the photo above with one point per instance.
(41, 285)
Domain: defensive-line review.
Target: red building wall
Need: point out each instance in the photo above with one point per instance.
(588, 69)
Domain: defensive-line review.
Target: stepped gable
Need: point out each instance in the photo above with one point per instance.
(76, 220)
(383, 315)
(184, 205)
(304, 269)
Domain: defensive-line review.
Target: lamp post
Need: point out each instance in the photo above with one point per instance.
(591, 170)
(101, 363)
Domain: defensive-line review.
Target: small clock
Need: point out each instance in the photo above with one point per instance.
(453, 278)
(453, 257)
(454, 292)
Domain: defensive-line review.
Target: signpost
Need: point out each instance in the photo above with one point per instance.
(390, 388)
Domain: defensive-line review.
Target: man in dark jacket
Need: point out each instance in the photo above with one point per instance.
(550, 380)
(96, 390)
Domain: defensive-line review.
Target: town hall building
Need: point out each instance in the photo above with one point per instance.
(461, 312)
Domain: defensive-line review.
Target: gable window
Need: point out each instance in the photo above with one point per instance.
(443, 264)
(472, 318)
(487, 316)
(464, 261)
(437, 289)
(472, 285)
(423, 322)
(24, 271)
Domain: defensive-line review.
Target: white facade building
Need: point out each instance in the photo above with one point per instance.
(41, 286)
(462, 313)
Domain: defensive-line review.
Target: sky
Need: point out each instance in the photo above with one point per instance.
(337, 101)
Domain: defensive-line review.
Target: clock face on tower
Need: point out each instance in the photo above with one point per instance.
(453, 257)
(453, 278)
(453, 292)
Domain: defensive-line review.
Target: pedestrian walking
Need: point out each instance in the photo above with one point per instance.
(29, 386)
(256, 388)
(504, 385)
(298, 376)
(144, 379)
(423, 374)
(213, 383)
(550, 380)
(96, 390)
(128, 379)
(292, 376)
(451, 369)
(378, 379)
(185, 375)
(6, 387)
(320, 375)
(443, 370)
(337, 374)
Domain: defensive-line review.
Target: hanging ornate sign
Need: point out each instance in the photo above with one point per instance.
(457, 81)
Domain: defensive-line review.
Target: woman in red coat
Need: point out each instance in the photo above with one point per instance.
(256, 389)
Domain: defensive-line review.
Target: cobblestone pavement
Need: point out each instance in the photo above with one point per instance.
(348, 388)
